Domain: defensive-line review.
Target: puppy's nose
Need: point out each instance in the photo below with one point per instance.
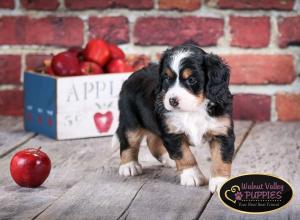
(174, 101)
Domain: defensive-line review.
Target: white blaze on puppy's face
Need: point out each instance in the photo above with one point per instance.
(177, 59)
(187, 101)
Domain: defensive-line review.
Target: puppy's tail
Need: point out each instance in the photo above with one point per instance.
(115, 143)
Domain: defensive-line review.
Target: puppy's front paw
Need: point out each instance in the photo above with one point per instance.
(132, 168)
(215, 183)
(192, 177)
(167, 161)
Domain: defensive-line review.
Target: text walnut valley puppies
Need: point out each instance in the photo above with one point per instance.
(179, 103)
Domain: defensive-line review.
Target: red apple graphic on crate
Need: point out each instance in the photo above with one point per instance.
(103, 121)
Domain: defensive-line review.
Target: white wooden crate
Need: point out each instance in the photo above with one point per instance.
(72, 107)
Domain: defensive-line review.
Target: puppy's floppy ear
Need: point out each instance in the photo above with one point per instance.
(161, 63)
(218, 74)
(163, 58)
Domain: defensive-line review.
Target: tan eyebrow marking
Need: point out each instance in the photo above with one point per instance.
(186, 73)
(169, 73)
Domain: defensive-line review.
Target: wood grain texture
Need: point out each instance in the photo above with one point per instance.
(155, 194)
(102, 195)
(71, 162)
(164, 198)
(12, 134)
(272, 148)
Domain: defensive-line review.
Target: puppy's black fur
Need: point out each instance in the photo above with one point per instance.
(141, 105)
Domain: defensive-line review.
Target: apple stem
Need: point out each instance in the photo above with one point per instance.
(39, 148)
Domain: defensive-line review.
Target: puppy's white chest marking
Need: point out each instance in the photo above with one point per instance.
(193, 124)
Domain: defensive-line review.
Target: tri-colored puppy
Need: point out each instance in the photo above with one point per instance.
(180, 103)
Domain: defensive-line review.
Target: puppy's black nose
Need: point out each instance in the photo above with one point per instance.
(173, 102)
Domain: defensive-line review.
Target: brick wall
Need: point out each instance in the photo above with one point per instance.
(260, 40)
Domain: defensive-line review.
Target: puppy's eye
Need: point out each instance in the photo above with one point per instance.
(191, 81)
(167, 78)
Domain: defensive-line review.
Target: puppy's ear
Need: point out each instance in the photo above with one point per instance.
(161, 68)
(161, 63)
(218, 74)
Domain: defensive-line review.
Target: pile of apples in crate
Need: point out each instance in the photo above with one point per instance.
(97, 57)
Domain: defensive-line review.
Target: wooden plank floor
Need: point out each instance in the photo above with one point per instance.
(12, 134)
(84, 183)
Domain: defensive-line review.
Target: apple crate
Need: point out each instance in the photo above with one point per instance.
(72, 107)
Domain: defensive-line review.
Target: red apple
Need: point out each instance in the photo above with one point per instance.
(78, 51)
(97, 51)
(116, 52)
(118, 66)
(90, 68)
(65, 64)
(30, 167)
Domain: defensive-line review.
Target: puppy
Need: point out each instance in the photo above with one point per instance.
(179, 103)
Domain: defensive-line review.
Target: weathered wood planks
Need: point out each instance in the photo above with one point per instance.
(154, 195)
(164, 198)
(103, 195)
(272, 148)
(71, 162)
(12, 134)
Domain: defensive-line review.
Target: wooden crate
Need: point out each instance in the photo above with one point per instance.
(72, 107)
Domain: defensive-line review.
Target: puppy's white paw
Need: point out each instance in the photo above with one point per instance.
(167, 161)
(192, 177)
(132, 168)
(215, 183)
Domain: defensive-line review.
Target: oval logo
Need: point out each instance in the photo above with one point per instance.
(256, 193)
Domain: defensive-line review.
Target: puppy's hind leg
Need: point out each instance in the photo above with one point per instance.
(129, 148)
(158, 150)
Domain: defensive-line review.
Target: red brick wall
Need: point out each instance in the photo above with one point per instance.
(260, 40)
